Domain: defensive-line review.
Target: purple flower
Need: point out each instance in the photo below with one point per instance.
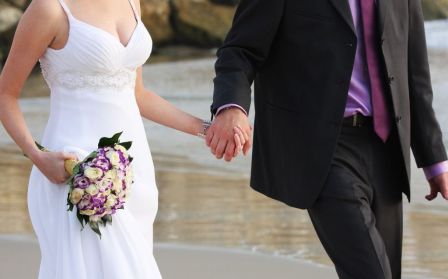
(101, 151)
(85, 203)
(102, 163)
(98, 201)
(80, 181)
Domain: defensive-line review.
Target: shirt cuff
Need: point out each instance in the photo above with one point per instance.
(435, 170)
(221, 108)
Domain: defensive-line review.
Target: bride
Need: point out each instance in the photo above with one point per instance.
(91, 53)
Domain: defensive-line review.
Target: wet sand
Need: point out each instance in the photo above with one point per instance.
(176, 261)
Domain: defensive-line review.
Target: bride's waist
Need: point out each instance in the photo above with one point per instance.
(78, 117)
(82, 101)
(85, 131)
(91, 93)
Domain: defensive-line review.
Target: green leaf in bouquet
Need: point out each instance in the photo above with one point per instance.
(110, 141)
(70, 205)
(126, 144)
(41, 148)
(92, 155)
(95, 227)
(80, 219)
(107, 219)
(68, 202)
(76, 168)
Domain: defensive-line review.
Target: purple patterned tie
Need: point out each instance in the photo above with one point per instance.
(381, 118)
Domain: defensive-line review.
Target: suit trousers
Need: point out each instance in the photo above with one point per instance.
(358, 215)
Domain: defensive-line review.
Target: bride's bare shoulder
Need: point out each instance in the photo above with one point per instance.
(50, 10)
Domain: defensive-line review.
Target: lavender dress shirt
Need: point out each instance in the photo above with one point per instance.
(359, 99)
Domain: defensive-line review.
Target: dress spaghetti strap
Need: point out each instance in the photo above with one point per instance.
(136, 16)
(66, 9)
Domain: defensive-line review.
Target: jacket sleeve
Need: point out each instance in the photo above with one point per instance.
(426, 135)
(245, 48)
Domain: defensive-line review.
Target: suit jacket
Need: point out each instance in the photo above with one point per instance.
(300, 56)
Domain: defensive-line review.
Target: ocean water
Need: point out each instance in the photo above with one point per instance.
(437, 34)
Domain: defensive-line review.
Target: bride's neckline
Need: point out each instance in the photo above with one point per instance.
(115, 38)
(101, 30)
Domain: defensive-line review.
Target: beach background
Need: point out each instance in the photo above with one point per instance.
(210, 223)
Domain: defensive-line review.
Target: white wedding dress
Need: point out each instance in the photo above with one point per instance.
(92, 82)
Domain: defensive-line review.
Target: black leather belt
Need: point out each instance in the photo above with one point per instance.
(358, 120)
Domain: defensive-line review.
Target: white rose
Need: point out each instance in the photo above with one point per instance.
(117, 187)
(104, 185)
(93, 173)
(123, 194)
(92, 190)
(76, 195)
(113, 157)
(129, 177)
(110, 175)
(89, 212)
(122, 149)
(111, 200)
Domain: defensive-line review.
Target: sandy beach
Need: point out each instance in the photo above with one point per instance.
(175, 261)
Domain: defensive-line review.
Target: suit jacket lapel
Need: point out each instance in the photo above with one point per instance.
(343, 7)
(383, 9)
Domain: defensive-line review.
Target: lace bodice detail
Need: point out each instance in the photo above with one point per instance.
(120, 79)
(94, 59)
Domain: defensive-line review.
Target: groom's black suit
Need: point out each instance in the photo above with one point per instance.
(300, 56)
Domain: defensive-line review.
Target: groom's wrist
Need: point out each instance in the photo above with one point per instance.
(230, 106)
(435, 170)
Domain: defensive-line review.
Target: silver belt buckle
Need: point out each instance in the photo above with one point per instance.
(355, 120)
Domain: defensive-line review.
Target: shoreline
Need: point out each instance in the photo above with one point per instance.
(177, 261)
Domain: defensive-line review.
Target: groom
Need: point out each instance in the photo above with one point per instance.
(342, 93)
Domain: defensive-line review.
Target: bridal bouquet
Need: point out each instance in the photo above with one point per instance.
(100, 183)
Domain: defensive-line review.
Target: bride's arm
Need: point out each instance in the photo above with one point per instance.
(37, 29)
(157, 109)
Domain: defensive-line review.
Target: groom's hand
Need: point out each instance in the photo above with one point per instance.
(438, 184)
(220, 136)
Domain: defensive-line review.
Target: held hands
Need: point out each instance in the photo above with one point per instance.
(229, 134)
(52, 165)
(438, 184)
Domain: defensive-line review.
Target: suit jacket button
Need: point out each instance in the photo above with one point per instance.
(391, 79)
(398, 119)
(349, 44)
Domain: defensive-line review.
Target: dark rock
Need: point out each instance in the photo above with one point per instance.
(226, 2)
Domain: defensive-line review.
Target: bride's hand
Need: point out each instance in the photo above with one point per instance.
(51, 164)
(240, 139)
